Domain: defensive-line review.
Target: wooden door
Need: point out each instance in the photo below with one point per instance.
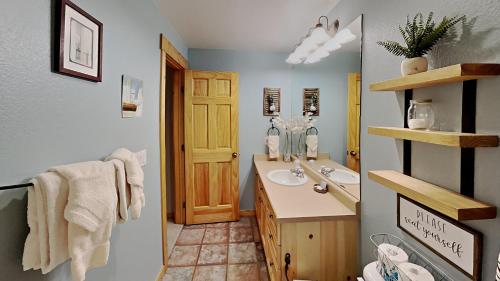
(353, 120)
(211, 146)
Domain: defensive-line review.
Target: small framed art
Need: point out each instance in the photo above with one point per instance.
(78, 43)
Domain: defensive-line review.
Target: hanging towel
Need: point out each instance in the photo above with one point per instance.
(312, 146)
(135, 177)
(122, 189)
(92, 198)
(46, 245)
(273, 144)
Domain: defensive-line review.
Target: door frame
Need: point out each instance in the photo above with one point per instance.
(172, 58)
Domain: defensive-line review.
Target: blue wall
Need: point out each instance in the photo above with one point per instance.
(48, 119)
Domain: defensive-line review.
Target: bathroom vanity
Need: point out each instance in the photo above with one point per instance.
(318, 231)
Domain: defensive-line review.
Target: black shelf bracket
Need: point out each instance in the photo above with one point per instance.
(467, 155)
(407, 143)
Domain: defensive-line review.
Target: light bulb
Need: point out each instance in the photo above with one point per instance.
(345, 36)
(319, 35)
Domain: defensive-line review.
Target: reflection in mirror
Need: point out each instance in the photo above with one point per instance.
(330, 91)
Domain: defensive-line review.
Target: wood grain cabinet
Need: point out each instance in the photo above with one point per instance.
(322, 250)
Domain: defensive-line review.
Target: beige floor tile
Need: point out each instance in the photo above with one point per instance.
(216, 236)
(240, 234)
(243, 222)
(242, 253)
(242, 272)
(184, 256)
(179, 274)
(190, 237)
(210, 273)
(213, 254)
(218, 225)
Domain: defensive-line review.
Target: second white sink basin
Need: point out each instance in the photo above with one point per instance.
(285, 177)
(344, 177)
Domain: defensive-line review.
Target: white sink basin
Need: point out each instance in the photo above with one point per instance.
(285, 177)
(344, 177)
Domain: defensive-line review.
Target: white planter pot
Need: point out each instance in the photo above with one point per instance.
(414, 65)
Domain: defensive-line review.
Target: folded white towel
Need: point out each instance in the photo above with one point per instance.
(92, 196)
(312, 146)
(135, 177)
(273, 145)
(123, 190)
(47, 243)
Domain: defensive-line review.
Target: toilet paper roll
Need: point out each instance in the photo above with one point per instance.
(395, 254)
(370, 272)
(414, 272)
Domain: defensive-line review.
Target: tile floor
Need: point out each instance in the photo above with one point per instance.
(218, 252)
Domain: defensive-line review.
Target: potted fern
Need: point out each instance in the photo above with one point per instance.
(419, 36)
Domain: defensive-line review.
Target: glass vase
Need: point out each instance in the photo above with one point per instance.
(287, 153)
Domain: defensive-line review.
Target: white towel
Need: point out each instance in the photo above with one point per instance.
(135, 177)
(273, 144)
(312, 146)
(92, 198)
(123, 190)
(47, 243)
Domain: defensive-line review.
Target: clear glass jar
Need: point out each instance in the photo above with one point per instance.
(420, 115)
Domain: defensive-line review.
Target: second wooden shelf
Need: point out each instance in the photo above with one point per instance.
(453, 139)
(445, 201)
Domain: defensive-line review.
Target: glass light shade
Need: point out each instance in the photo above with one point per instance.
(307, 46)
(345, 36)
(293, 58)
(332, 45)
(319, 35)
(310, 60)
(320, 53)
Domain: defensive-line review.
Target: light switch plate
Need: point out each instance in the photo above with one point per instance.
(142, 157)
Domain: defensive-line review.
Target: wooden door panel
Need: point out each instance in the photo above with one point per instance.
(211, 139)
(353, 121)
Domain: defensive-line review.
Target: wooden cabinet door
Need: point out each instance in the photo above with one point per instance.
(211, 146)
(353, 120)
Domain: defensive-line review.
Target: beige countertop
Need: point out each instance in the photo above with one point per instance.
(299, 203)
(353, 189)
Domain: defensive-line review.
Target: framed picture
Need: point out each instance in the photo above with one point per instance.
(456, 243)
(78, 43)
(310, 101)
(272, 101)
(132, 101)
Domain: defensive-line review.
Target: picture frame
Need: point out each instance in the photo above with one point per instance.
(310, 97)
(132, 97)
(425, 224)
(78, 42)
(274, 95)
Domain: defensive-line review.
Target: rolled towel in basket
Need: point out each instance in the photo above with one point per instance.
(273, 144)
(312, 146)
(413, 272)
(395, 254)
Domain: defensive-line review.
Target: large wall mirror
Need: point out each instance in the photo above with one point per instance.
(331, 91)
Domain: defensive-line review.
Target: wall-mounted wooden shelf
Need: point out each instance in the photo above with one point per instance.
(449, 74)
(447, 202)
(453, 139)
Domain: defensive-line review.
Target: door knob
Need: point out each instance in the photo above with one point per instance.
(235, 155)
(353, 153)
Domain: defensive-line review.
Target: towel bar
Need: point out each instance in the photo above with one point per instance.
(15, 186)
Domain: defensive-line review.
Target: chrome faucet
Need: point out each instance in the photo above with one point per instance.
(298, 172)
(326, 171)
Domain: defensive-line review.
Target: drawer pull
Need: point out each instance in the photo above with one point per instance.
(271, 236)
(271, 263)
(271, 216)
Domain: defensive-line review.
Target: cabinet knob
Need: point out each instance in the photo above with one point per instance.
(271, 263)
(271, 216)
(271, 236)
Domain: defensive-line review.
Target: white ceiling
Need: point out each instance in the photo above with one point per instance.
(264, 25)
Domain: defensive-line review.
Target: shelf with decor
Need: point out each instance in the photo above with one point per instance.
(453, 139)
(434, 77)
(459, 206)
(447, 202)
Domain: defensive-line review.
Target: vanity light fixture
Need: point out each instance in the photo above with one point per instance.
(318, 43)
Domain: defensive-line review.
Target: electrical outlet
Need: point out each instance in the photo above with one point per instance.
(142, 157)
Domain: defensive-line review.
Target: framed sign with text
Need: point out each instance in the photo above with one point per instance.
(458, 244)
